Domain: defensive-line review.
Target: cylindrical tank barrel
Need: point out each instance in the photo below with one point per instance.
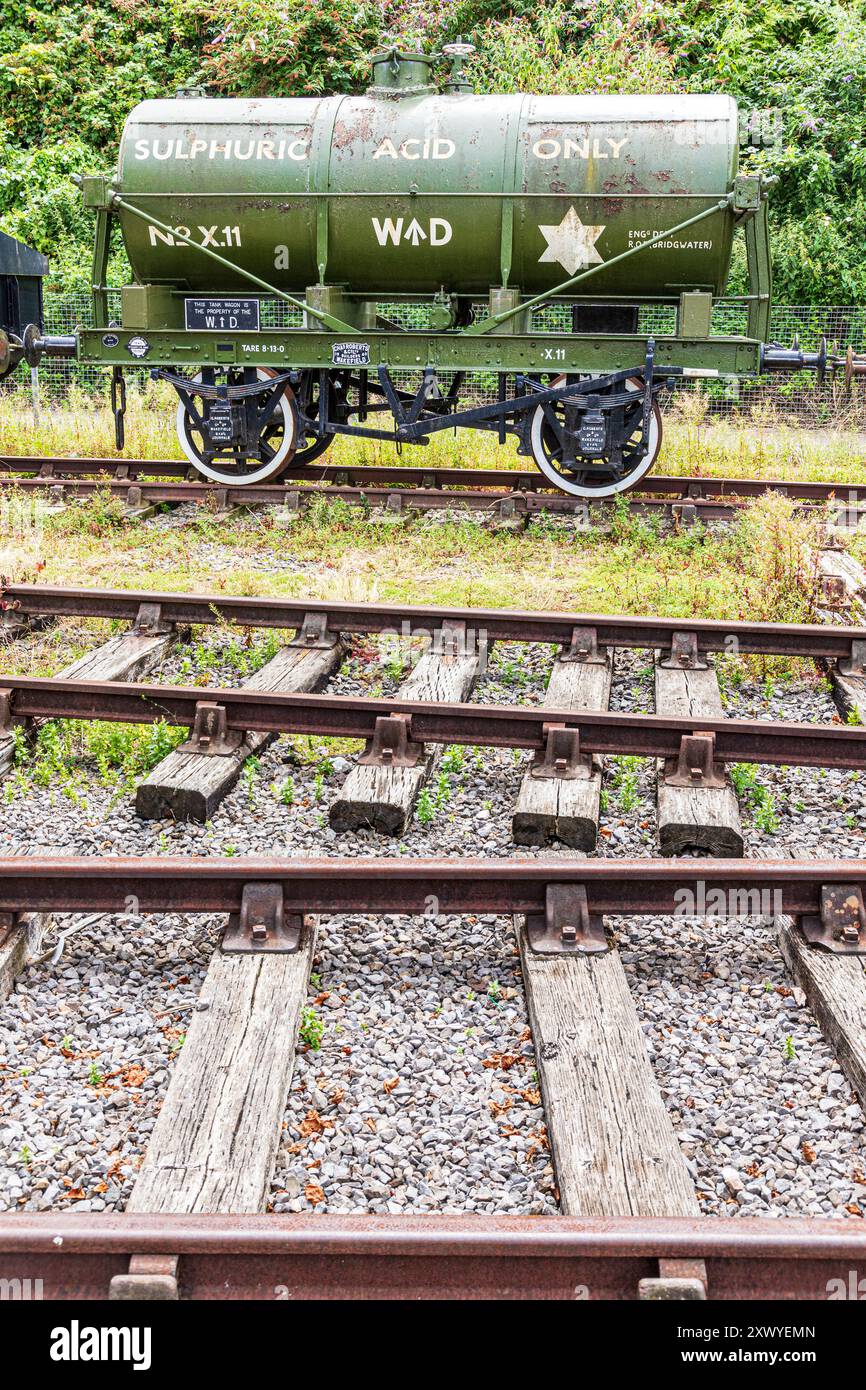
(412, 193)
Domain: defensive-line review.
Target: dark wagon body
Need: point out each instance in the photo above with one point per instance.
(22, 271)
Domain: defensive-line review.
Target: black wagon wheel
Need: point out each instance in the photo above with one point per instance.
(597, 478)
(272, 451)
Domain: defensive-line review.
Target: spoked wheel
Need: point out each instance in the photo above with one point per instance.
(271, 451)
(314, 450)
(596, 478)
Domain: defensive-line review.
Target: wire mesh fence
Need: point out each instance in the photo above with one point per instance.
(779, 398)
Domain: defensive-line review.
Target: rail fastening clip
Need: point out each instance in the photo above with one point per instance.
(392, 744)
(263, 925)
(567, 927)
(841, 925)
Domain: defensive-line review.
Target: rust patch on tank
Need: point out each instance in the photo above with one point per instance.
(361, 128)
(634, 185)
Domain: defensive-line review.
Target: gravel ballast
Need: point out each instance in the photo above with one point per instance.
(396, 1109)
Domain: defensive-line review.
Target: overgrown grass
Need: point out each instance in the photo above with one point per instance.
(83, 424)
(760, 568)
(779, 552)
(763, 442)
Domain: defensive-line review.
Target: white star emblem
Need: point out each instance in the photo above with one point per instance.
(571, 244)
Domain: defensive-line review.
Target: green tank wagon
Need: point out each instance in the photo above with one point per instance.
(413, 238)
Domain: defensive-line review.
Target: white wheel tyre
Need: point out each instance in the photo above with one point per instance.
(545, 465)
(267, 470)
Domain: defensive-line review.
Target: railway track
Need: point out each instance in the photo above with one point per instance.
(567, 735)
(190, 1228)
(170, 1244)
(313, 618)
(423, 1258)
(563, 899)
(404, 726)
(143, 483)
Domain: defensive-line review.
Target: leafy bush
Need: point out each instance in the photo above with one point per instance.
(70, 73)
(296, 49)
(610, 46)
(809, 60)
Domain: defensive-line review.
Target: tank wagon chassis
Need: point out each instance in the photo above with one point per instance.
(583, 405)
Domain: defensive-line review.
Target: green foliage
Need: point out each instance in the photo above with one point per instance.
(624, 780)
(312, 1029)
(809, 60)
(120, 753)
(610, 46)
(70, 73)
(41, 205)
(82, 66)
(744, 777)
(262, 48)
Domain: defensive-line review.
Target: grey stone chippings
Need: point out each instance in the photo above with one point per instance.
(396, 1109)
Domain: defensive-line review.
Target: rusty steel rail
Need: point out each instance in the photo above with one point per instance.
(347, 475)
(13, 464)
(428, 1257)
(144, 492)
(691, 504)
(494, 726)
(362, 475)
(152, 493)
(818, 641)
(564, 901)
(190, 883)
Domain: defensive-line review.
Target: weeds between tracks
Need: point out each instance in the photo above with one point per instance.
(756, 568)
(761, 442)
